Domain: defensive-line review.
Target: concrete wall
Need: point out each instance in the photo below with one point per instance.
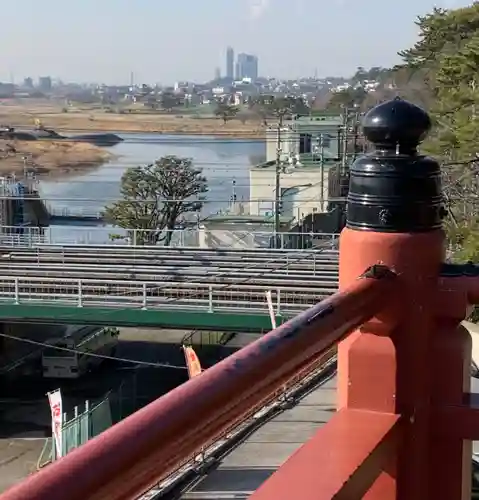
(237, 235)
(305, 199)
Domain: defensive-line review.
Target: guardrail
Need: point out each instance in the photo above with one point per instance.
(164, 296)
(194, 237)
(405, 416)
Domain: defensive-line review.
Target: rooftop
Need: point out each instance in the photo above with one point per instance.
(307, 161)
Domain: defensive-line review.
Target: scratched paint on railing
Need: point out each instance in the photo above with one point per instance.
(286, 332)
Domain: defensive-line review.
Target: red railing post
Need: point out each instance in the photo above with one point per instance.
(394, 218)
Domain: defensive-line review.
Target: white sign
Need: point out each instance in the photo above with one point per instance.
(56, 407)
(271, 309)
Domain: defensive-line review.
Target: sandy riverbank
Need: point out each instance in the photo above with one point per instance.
(22, 113)
(50, 157)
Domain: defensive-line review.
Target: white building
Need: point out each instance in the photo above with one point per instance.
(304, 190)
(309, 146)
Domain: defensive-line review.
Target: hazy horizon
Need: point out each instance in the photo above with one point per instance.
(165, 42)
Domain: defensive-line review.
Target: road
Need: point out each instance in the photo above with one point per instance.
(168, 277)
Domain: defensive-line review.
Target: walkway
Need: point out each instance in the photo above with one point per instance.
(244, 469)
(140, 286)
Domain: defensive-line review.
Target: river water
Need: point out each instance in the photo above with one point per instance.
(223, 161)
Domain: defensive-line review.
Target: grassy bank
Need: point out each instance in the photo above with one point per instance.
(23, 114)
(50, 157)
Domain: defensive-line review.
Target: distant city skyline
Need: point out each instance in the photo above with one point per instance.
(105, 41)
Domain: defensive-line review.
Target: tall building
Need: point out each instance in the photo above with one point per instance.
(45, 83)
(230, 62)
(247, 67)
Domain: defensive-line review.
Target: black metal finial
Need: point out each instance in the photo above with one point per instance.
(394, 189)
(396, 124)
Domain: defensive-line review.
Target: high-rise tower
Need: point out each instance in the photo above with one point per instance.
(247, 67)
(230, 63)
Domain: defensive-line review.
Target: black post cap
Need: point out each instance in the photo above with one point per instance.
(393, 188)
(396, 124)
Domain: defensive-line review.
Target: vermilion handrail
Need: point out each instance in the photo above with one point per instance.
(135, 454)
(342, 460)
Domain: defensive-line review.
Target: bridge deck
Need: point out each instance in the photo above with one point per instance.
(215, 290)
(244, 469)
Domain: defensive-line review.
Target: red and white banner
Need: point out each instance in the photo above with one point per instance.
(192, 362)
(56, 407)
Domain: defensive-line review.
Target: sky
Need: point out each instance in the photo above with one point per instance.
(163, 41)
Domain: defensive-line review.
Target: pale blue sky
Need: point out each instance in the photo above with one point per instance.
(169, 40)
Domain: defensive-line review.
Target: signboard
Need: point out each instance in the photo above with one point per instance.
(192, 362)
(56, 408)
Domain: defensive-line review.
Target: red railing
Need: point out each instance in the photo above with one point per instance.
(135, 454)
(405, 416)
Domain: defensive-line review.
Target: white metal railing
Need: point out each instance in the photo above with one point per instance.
(192, 237)
(296, 208)
(150, 295)
(77, 212)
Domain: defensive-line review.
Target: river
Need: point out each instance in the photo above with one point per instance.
(222, 160)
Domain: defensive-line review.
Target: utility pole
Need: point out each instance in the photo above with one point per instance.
(344, 152)
(277, 200)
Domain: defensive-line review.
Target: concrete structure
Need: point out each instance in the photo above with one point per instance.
(20, 206)
(45, 83)
(230, 63)
(241, 231)
(310, 167)
(162, 287)
(304, 189)
(318, 134)
(247, 67)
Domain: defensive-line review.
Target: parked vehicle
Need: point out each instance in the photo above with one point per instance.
(77, 360)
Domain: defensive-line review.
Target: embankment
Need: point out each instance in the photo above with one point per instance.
(50, 157)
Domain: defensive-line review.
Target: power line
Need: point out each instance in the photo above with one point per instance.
(91, 354)
(205, 202)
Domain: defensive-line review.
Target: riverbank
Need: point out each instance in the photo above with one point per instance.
(50, 157)
(138, 120)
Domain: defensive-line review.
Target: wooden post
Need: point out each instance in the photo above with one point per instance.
(394, 217)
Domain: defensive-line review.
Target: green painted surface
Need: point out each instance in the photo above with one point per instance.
(45, 313)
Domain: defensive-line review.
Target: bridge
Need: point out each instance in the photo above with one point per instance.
(404, 418)
(149, 286)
